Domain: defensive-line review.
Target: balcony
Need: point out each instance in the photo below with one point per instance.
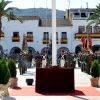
(15, 39)
(57, 41)
(93, 35)
(45, 40)
(29, 38)
(1, 34)
(64, 41)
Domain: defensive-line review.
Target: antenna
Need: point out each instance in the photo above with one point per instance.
(87, 5)
(69, 4)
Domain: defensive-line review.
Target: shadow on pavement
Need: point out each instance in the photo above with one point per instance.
(8, 98)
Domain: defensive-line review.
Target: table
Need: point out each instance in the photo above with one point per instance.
(55, 79)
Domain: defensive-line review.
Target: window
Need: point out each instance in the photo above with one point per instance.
(91, 14)
(64, 35)
(57, 35)
(89, 30)
(46, 35)
(97, 29)
(30, 34)
(15, 34)
(83, 15)
(76, 14)
(81, 29)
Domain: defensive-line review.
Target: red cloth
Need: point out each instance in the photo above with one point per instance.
(83, 40)
(55, 79)
(90, 43)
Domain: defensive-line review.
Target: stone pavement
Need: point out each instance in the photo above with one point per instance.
(81, 79)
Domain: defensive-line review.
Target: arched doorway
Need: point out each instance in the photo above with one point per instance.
(78, 48)
(15, 50)
(95, 47)
(44, 49)
(64, 48)
(31, 50)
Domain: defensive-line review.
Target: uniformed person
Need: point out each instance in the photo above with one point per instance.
(38, 59)
(44, 58)
(62, 58)
(69, 59)
(20, 64)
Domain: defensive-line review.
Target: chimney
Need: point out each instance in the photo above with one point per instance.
(68, 15)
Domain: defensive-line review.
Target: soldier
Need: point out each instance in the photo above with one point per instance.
(74, 61)
(88, 62)
(20, 64)
(69, 59)
(44, 58)
(62, 58)
(38, 59)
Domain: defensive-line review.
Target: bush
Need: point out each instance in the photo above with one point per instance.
(95, 69)
(4, 72)
(12, 67)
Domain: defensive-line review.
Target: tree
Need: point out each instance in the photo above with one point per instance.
(95, 17)
(5, 12)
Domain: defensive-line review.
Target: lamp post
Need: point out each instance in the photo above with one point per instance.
(54, 51)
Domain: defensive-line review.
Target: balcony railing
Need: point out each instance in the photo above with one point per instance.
(1, 34)
(57, 41)
(64, 41)
(29, 38)
(45, 40)
(93, 35)
(15, 39)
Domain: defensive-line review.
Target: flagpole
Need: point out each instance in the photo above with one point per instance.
(54, 51)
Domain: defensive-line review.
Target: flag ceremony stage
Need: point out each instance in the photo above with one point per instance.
(55, 79)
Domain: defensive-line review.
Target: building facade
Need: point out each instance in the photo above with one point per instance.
(38, 31)
(78, 18)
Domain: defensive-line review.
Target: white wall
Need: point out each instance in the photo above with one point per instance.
(31, 26)
(77, 23)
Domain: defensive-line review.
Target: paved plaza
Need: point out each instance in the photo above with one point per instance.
(81, 79)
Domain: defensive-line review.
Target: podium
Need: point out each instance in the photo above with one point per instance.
(54, 79)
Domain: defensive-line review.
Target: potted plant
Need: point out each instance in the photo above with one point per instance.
(12, 67)
(4, 77)
(95, 73)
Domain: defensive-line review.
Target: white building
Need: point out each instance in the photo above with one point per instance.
(38, 31)
(78, 18)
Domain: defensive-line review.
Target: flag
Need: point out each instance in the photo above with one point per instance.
(83, 40)
(90, 43)
(24, 44)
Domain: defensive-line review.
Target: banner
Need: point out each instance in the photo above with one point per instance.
(24, 44)
(83, 40)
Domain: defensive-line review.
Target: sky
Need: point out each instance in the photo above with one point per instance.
(60, 4)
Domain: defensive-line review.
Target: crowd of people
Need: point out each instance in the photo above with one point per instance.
(43, 60)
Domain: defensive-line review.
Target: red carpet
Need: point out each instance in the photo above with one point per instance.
(30, 91)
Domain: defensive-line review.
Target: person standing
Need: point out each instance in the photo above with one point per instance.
(44, 58)
(20, 64)
(38, 59)
(62, 58)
